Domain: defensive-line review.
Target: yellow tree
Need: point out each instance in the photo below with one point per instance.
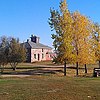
(82, 38)
(61, 21)
(73, 40)
(97, 41)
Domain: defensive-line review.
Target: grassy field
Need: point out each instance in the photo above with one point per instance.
(48, 67)
(46, 82)
(49, 87)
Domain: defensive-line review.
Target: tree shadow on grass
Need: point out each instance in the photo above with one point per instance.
(38, 71)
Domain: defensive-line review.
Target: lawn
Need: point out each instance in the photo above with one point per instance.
(48, 67)
(49, 87)
(48, 83)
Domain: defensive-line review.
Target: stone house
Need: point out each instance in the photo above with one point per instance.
(37, 51)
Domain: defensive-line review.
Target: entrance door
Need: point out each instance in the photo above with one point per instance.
(38, 57)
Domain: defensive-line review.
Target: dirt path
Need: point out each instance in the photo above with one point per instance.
(21, 76)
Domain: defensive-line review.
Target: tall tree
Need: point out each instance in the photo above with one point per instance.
(82, 38)
(97, 41)
(61, 21)
(73, 39)
(4, 52)
(17, 53)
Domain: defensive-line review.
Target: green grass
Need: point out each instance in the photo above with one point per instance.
(27, 68)
(50, 87)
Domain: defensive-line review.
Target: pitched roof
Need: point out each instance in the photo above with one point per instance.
(33, 45)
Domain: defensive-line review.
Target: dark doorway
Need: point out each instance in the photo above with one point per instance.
(38, 57)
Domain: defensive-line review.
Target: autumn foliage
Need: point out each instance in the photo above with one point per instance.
(74, 38)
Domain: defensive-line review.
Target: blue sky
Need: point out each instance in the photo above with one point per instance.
(21, 18)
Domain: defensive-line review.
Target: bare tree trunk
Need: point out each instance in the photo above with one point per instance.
(2, 68)
(76, 68)
(99, 64)
(14, 68)
(77, 63)
(64, 68)
(85, 69)
(13, 65)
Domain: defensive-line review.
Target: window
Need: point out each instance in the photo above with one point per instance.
(34, 56)
(42, 56)
(42, 50)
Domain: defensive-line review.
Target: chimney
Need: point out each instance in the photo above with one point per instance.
(37, 39)
(34, 39)
(27, 40)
